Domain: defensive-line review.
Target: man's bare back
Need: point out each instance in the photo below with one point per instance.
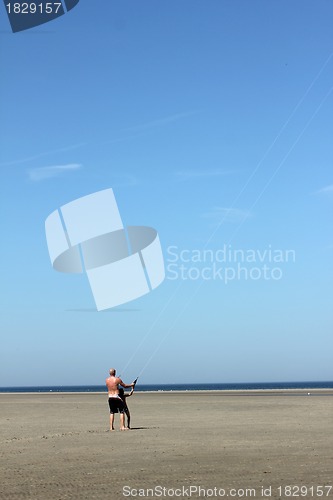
(112, 383)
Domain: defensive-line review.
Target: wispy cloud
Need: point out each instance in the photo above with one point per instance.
(41, 155)
(219, 215)
(159, 122)
(42, 173)
(185, 175)
(326, 189)
(139, 131)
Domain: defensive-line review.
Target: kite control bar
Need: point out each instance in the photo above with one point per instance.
(135, 381)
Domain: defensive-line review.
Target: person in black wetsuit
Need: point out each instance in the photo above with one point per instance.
(124, 396)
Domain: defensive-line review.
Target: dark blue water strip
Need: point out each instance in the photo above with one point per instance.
(178, 387)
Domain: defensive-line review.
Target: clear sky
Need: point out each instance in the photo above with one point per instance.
(212, 122)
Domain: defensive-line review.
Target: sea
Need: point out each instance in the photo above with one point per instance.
(178, 387)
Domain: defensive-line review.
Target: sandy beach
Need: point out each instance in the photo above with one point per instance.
(252, 444)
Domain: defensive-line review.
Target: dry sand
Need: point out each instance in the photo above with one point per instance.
(55, 446)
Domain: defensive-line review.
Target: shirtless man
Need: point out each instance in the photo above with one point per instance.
(116, 404)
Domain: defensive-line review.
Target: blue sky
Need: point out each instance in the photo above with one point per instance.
(212, 122)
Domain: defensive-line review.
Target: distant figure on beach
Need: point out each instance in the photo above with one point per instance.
(116, 404)
(126, 409)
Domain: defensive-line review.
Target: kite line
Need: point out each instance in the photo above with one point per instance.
(257, 167)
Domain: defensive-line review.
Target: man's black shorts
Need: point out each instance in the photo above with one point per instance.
(116, 405)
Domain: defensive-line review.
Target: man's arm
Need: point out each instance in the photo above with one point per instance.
(126, 386)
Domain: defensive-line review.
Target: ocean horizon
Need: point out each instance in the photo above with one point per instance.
(177, 387)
